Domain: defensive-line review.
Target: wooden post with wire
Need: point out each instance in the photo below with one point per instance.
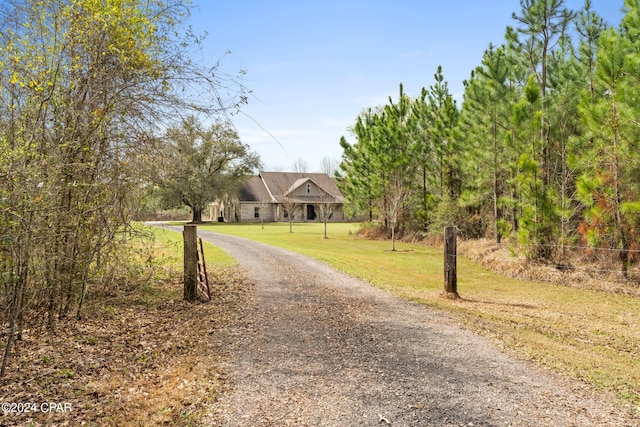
(190, 238)
(450, 264)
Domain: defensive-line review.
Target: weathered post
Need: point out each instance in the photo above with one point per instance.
(450, 265)
(190, 237)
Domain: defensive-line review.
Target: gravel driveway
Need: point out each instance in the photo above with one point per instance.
(319, 348)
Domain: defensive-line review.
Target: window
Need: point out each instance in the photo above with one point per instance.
(308, 188)
(256, 212)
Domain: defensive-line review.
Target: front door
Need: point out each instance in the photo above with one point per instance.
(311, 212)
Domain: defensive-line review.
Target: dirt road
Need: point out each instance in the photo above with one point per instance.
(320, 348)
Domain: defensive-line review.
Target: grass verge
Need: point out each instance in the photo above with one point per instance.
(140, 355)
(591, 335)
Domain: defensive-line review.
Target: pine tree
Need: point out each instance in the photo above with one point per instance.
(445, 116)
(356, 179)
(398, 160)
(537, 220)
(425, 191)
(542, 27)
(486, 112)
(565, 85)
(609, 187)
(362, 176)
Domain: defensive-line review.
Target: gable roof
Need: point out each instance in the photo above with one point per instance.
(299, 183)
(254, 190)
(275, 186)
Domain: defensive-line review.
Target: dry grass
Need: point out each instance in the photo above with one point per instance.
(141, 357)
(578, 268)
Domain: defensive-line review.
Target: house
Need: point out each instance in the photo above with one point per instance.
(274, 196)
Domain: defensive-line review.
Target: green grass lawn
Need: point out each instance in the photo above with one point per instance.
(591, 335)
(167, 248)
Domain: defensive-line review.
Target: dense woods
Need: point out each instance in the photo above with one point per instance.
(84, 87)
(543, 150)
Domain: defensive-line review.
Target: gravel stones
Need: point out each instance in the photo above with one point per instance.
(319, 348)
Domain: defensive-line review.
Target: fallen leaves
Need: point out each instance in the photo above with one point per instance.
(141, 358)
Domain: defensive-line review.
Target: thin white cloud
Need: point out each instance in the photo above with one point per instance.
(279, 148)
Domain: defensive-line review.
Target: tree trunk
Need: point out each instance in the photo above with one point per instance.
(393, 237)
(496, 211)
(619, 222)
(15, 310)
(197, 215)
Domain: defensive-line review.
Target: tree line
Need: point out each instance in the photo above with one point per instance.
(544, 148)
(92, 95)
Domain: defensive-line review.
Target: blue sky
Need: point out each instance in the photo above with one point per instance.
(314, 66)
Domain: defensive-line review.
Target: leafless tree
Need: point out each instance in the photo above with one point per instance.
(300, 165)
(326, 208)
(263, 208)
(328, 165)
(396, 203)
(291, 208)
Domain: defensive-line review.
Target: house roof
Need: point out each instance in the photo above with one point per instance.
(253, 190)
(275, 186)
(299, 183)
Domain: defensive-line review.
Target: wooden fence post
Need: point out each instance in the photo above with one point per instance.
(450, 265)
(190, 237)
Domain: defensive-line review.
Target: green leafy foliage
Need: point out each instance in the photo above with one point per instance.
(83, 86)
(202, 165)
(544, 149)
